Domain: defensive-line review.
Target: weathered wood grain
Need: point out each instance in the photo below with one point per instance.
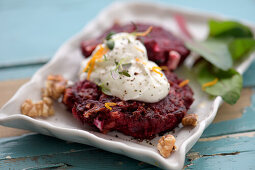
(228, 152)
(39, 151)
(248, 77)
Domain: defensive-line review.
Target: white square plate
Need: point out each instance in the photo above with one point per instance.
(67, 61)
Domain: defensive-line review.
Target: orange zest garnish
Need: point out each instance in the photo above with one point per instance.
(108, 105)
(139, 61)
(139, 49)
(164, 68)
(91, 64)
(155, 69)
(211, 83)
(184, 83)
(142, 34)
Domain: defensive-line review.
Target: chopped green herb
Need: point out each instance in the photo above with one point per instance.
(104, 89)
(110, 44)
(126, 66)
(120, 65)
(117, 65)
(109, 35)
(114, 74)
(105, 59)
(86, 70)
(125, 73)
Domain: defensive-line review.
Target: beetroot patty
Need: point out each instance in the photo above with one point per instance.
(159, 44)
(138, 119)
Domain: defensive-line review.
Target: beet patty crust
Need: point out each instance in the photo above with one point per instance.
(159, 44)
(138, 119)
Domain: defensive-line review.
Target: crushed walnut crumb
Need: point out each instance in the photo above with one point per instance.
(190, 120)
(54, 87)
(42, 108)
(166, 145)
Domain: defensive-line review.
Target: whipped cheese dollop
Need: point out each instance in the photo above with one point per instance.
(124, 71)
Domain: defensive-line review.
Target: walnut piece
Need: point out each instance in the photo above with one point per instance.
(42, 108)
(54, 87)
(166, 145)
(190, 120)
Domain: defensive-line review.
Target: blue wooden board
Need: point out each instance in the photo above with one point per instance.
(39, 151)
(248, 80)
(227, 153)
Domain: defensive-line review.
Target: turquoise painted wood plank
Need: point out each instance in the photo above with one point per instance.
(248, 77)
(38, 151)
(34, 29)
(89, 159)
(242, 124)
(244, 160)
(18, 72)
(15, 147)
(226, 153)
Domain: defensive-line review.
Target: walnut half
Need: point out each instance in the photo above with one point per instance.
(54, 87)
(42, 108)
(166, 145)
(190, 120)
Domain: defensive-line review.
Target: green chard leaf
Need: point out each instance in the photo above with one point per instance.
(110, 44)
(229, 83)
(240, 47)
(233, 29)
(228, 41)
(214, 51)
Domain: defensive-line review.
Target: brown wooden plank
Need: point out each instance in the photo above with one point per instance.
(230, 112)
(7, 90)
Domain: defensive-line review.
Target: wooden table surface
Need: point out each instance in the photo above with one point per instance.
(30, 33)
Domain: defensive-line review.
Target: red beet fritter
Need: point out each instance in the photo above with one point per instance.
(160, 44)
(134, 118)
(138, 119)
